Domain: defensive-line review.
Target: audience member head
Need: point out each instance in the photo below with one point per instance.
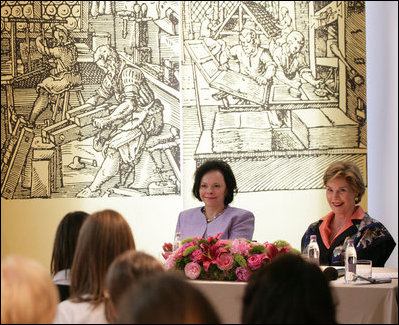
(350, 172)
(103, 236)
(28, 295)
(65, 241)
(127, 269)
(165, 298)
(288, 290)
(228, 175)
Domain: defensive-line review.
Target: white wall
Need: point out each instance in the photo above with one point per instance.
(382, 115)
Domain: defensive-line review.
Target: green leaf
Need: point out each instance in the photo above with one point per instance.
(189, 250)
(180, 264)
(257, 249)
(187, 240)
(240, 260)
(281, 243)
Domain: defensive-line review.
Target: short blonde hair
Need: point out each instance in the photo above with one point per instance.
(28, 294)
(351, 172)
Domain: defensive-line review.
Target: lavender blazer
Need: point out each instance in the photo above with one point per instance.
(232, 223)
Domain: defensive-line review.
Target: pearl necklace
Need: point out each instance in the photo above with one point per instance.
(210, 220)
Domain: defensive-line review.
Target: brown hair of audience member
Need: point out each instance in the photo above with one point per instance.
(65, 241)
(28, 294)
(351, 172)
(103, 236)
(128, 268)
(165, 298)
(288, 290)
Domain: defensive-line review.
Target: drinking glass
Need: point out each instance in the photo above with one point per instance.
(364, 268)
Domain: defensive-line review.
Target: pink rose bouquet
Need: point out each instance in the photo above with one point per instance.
(214, 258)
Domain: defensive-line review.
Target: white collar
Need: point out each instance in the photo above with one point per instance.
(62, 277)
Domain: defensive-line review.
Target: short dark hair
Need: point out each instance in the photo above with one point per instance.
(288, 290)
(228, 175)
(65, 241)
(165, 298)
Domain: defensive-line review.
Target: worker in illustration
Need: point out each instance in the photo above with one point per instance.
(293, 71)
(292, 68)
(124, 132)
(207, 30)
(249, 59)
(285, 24)
(63, 76)
(253, 60)
(208, 25)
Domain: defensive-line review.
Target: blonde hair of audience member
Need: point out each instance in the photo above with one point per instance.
(103, 236)
(127, 269)
(28, 295)
(166, 298)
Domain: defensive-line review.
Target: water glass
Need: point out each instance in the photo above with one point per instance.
(364, 268)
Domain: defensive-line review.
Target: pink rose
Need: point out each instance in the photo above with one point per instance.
(225, 262)
(192, 270)
(196, 256)
(240, 247)
(255, 261)
(242, 274)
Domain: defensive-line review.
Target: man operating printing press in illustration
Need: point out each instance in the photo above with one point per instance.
(253, 60)
(125, 131)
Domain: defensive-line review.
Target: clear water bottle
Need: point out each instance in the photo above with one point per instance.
(177, 241)
(350, 262)
(313, 250)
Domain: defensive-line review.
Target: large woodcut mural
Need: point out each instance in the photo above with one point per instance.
(126, 98)
(276, 88)
(91, 99)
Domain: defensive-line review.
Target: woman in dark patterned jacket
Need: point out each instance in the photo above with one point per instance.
(344, 190)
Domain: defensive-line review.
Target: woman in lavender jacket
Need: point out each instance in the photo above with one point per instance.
(215, 185)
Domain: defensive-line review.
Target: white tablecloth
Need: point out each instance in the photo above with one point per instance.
(356, 304)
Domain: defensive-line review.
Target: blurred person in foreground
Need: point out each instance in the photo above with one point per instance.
(215, 185)
(28, 296)
(128, 268)
(288, 290)
(165, 298)
(64, 247)
(103, 236)
(347, 220)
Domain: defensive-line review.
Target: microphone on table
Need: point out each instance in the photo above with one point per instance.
(330, 273)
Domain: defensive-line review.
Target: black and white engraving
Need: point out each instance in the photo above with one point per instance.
(277, 89)
(90, 99)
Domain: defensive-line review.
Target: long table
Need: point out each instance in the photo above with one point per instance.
(356, 303)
